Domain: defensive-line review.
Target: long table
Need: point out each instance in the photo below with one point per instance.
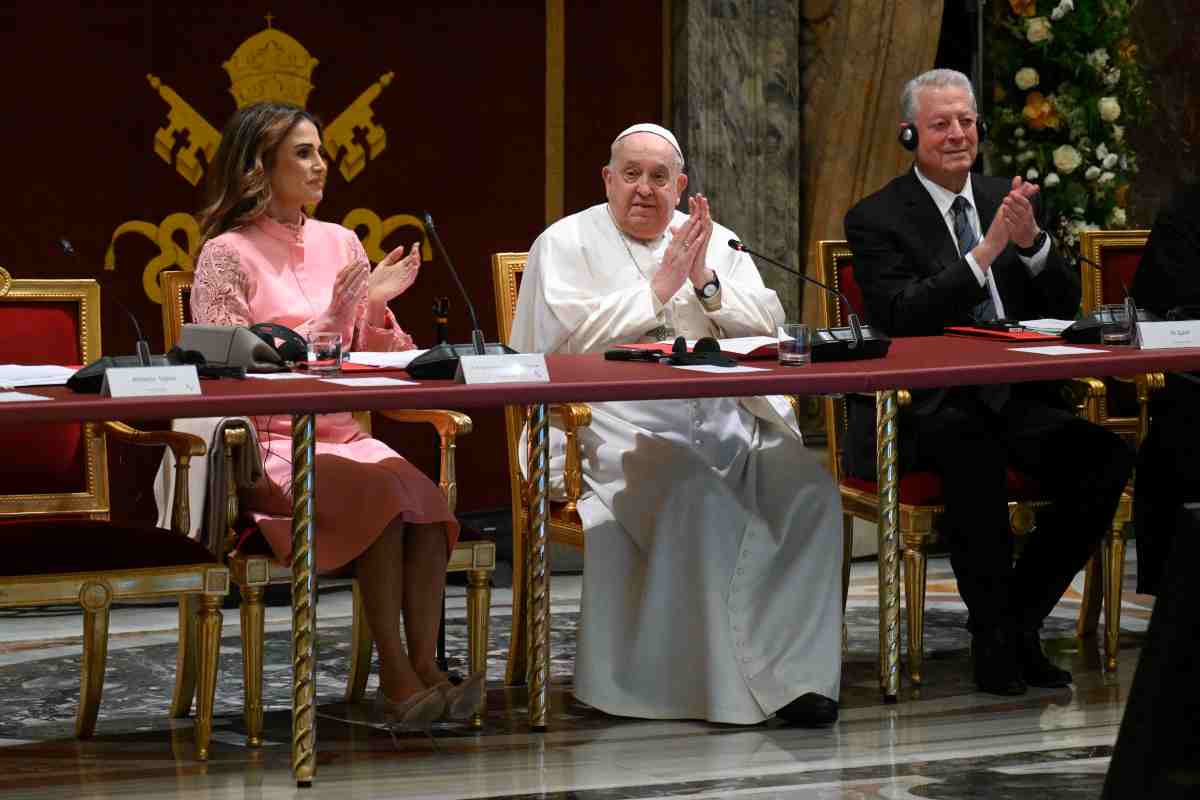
(915, 363)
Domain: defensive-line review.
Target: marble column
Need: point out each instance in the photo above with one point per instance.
(736, 110)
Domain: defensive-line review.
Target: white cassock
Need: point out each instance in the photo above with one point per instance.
(712, 580)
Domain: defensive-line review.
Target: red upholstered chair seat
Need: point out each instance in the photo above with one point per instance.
(71, 545)
(924, 488)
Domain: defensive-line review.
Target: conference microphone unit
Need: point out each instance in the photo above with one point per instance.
(855, 342)
(441, 361)
(1086, 330)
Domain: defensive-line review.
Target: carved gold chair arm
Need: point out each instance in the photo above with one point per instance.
(1147, 384)
(184, 446)
(572, 417)
(903, 397)
(449, 426)
(1089, 398)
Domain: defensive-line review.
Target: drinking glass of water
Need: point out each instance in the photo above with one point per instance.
(795, 345)
(325, 352)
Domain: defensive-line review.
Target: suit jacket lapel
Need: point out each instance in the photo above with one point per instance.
(924, 218)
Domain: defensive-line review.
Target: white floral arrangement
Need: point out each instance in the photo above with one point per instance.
(1067, 84)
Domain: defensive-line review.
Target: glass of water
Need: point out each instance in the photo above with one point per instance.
(1116, 326)
(325, 352)
(795, 344)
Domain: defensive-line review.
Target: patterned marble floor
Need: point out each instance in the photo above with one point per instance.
(944, 740)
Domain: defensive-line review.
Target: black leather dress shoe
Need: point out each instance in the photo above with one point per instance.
(1036, 669)
(996, 669)
(809, 710)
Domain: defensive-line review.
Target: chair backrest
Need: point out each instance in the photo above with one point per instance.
(1119, 253)
(176, 304)
(507, 269)
(835, 267)
(51, 469)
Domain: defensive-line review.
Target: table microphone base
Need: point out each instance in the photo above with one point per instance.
(441, 361)
(834, 344)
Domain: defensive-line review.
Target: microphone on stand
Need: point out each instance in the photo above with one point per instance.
(441, 360)
(1087, 329)
(864, 342)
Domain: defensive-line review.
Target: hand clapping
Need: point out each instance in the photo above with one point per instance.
(392, 276)
(685, 255)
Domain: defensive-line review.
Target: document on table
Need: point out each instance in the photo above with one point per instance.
(1058, 350)
(279, 376)
(1054, 326)
(378, 380)
(719, 370)
(397, 359)
(15, 375)
(19, 397)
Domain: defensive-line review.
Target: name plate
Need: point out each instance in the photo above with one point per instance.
(150, 381)
(1163, 335)
(506, 368)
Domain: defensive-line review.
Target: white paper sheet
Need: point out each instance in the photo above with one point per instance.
(19, 397)
(15, 375)
(723, 370)
(398, 359)
(279, 376)
(377, 380)
(1048, 325)
(1058, 350)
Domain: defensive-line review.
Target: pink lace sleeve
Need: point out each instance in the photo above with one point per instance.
(221, 290)
(367, 336)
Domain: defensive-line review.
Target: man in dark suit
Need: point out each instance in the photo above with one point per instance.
(940, 246)
(1168, 279)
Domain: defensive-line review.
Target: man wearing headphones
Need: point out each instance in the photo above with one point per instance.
(940, 246)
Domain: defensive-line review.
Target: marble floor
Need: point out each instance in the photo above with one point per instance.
(943, 740)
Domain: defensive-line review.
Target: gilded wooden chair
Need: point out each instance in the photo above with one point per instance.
(920, 491)
(60, 546)
(254, 567)
(1123, 408)
(564, 524)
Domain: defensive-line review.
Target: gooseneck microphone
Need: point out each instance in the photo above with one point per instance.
(143, 346)
(477, 340)
(851, 317)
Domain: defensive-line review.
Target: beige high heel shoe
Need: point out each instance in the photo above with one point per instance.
(417, 713)
(462, 700)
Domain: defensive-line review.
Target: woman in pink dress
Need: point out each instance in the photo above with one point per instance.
(263, 260)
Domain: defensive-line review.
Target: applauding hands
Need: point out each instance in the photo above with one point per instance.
(1015, 222)
(686, 254)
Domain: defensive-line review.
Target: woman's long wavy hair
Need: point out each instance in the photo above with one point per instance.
(239, 183)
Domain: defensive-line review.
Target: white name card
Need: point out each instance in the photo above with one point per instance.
(150, 381)
(1163, 335)
(506, 368)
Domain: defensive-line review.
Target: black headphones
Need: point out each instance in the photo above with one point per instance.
(908, 134)
(292, 346)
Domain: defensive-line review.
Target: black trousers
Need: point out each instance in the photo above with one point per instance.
(1168, 475)
(1080, 467)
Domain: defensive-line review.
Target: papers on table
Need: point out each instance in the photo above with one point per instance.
(1058, 350)
(376, 380)
(19, 397)
(279, 376)
(396, 360)
(14, 375)
(720, 370)
(1055, 326)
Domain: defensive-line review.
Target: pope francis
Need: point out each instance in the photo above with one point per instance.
(712, 585)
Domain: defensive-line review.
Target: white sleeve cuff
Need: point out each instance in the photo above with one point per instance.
(974, 265)
(1037, 262)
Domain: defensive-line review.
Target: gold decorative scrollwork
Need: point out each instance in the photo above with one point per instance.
(378, 230)
(5, 281)
(170, 253)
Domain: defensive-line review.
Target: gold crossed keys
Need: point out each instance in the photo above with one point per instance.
(270, 65)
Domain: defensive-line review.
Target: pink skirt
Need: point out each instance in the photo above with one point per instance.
(361, 486)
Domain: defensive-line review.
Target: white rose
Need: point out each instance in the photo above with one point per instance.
(1101, 151)
(1020, 133)
(1027, 155)
(1038, 30)
(1026, 78)
(1092, 173)
(1107, 177)
(1007, 159)
(1067, 159)
(1061, 9)
(1117, 217)
(1097, 59)
(1051, 181)
(1109, 108)
(1110, 160)
(1118, 133)
(1112, 77)
(1032, 174)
